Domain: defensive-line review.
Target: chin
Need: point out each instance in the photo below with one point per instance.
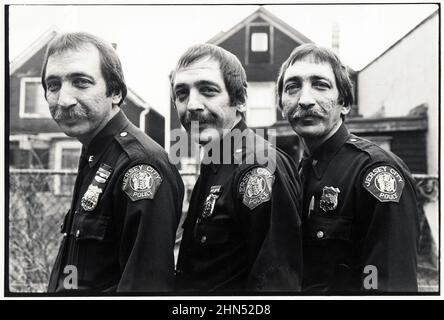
(208, 135)
(309, 131)
(74, 131)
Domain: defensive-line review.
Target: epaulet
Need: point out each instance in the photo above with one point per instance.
(375, 152)
(126, 141)
(259, 153)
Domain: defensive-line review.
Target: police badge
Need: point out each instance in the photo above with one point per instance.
(329, 198)
(210, 201)
(91, 198)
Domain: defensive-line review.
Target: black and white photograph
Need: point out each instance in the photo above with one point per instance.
(210, 150)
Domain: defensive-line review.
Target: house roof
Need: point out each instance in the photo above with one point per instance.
(402, 38)
(268, 17)
(30, 51)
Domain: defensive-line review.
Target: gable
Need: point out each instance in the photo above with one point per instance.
(33, 66)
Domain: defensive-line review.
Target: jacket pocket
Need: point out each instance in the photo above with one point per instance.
(212, 233)
(328, 228)
(90, 227)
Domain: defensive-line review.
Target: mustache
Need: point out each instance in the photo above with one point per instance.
(298, 113)
(200, 117)
(61, 114)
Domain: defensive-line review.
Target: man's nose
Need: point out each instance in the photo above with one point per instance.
(66, 97)
(194, 101)
(306, 99)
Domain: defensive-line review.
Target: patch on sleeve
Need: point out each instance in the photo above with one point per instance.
(256, 186)
(384, 182)
(141, 182)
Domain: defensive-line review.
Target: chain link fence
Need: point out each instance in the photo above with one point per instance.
(38, 200)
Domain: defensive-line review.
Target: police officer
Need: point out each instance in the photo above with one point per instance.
(119, 233)
(242, 232)
(360, 218)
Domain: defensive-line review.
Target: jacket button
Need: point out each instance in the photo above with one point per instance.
(77, 233)
(203, 240)
(123, 134)
(320, 234)
(353, 140)
(65, 235)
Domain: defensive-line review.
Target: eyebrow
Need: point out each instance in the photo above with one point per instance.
(199, 83)
(70, 76)
(312, 78)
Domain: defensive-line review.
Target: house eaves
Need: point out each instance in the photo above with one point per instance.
(268, 17)
(29, 52)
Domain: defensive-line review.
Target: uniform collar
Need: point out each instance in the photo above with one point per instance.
(234, 148)
(102, 140)
(324, 153)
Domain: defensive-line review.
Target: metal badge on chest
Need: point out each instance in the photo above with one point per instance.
(210, 201)
(91, 197)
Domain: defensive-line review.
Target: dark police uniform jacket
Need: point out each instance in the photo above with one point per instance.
(119, 233)
(243, 228)
(360, 218)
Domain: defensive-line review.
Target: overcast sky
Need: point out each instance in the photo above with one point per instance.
(150, 39)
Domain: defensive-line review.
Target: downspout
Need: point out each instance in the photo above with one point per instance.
(142, 117)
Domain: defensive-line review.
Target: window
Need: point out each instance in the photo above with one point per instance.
(66, 157)
(32, 99)
(261, 105)
(259, 44)
(28, 152)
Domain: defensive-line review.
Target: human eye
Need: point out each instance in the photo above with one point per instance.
(52, 85)
(292, 87)
(82, 83)
(181, 94)
(321, 85)
(209, 91)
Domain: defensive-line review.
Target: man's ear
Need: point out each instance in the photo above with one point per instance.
(117, 97)
(345, 110)
(241, 108)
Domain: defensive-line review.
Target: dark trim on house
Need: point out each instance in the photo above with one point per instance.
(366, 125)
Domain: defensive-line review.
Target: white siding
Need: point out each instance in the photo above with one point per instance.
(403, 78)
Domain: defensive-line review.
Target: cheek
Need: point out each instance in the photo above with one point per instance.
(326, 103)
(288, 103)
(181, 109)
(51, 99)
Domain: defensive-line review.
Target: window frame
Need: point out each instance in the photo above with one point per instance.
(22, 104)
(58, 156)
(271, 108)
(248, 42)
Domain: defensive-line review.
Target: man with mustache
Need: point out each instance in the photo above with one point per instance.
(119, 234)
(242, 232)
(360, 215)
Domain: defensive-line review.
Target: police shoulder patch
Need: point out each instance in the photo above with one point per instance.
(384, 182)
(141, 182)
(256, 186)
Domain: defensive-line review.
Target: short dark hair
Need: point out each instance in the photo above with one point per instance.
(319, 54)
(110, 64)
(233, 72)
